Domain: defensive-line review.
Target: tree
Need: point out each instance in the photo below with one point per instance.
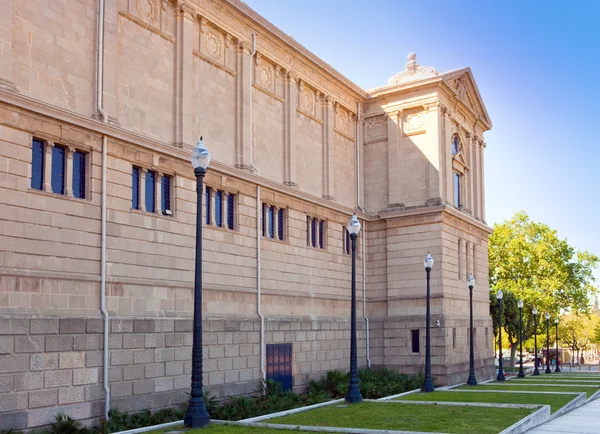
(510, 321)
(577, 332)
(529, 260)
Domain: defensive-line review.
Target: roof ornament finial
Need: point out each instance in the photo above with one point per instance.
(411, 64)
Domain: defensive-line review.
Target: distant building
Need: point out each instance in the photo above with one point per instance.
(297, 149)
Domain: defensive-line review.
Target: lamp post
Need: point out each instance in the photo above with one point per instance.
(472, 381)
(197, 415)
(353, 394)
(557, 367)
(521, 373)
(428, 384)
(500, 368)
(536, 371)
(548, 370)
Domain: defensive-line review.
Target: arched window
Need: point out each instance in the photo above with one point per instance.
(456, 145)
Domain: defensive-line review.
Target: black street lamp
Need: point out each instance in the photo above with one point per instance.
(197, 415)
(472, 381)
(521, 373)
(548, 370)
(500, 368)
(557, 367)
(428, 383)
(536, 371)
(353, 394)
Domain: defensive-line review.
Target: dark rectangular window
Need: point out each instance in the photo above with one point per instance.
(264, 219)
(415, 340)
(313, 232)
(271, 222)
(279, 364)
(457, 198)
(150, 191)
(135, 187)
(230, 211)
(219, 208)
(37, 164)
(58, 169)
(208, 195)
(165, 195)
(321, 232)
(79, 169)
(280, 222)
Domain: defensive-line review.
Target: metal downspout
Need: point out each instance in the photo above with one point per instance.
(99, 103)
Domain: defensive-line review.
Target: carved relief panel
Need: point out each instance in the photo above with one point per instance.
(344, 121)
(375, 129)
(216, 46)
(413, 123)
(156, 15)
(307, 99)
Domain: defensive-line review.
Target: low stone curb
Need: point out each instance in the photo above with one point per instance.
(534, 419)
(151, 428)
(387, 398)
(287, 412)
(547, 384)
(332, 429)
(578, 401)
(594, 396)
(470, 404)
(514, 391)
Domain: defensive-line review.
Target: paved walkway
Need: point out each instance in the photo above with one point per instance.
(582, 420)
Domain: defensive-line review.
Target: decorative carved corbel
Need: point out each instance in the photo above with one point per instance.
(228, 41)
(203, 25)
(278, 71)
(185, 10)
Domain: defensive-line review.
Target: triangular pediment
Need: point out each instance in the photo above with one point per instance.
(460, 159)
(463, 84)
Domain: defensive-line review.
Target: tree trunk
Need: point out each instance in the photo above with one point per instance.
(513, 352)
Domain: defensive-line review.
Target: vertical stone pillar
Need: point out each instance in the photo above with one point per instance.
(443, 152)
(183, 77)
(158, 192)
(289, 129)
(243, 103)
(48, 167)
(111, 48)
(449, 176)
(328, 125)
(69, 172)
(482, 180)
(361, 156)
(470, 174)
(6, 36)
(394, 154)
(142, 196)
(474, 174)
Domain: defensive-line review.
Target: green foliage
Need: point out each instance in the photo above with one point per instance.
(530, 262)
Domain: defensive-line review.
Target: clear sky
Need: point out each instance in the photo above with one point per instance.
(537, 66)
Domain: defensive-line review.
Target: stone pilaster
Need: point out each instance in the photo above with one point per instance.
(48, 166)
(69, 172)
(289, 129)
(183, 77)
(394, 154)
(328, 125)
(443, 152)
(482, 180)
(142, 196)
(6, 53)
(243, 102)
(158, 192)
(111, 47)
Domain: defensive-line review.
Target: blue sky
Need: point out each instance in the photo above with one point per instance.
(537, 67)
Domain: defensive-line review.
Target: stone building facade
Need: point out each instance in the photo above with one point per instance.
(101, 103)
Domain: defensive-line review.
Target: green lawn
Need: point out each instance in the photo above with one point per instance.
(558, 380)
(554, 401)
(409, 417)
(546, 388)
(214, 428)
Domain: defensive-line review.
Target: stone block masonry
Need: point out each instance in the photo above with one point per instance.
(51, 365)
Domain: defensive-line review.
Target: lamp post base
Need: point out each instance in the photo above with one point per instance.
(196, 417)
(548, 370)
(472, 381)
(557, 369)
(428, 386)
(521, 373)
(353, 394)
(500, 376)
(536, 372)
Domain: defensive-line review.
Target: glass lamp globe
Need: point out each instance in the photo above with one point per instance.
(547, 316)
(471, 280)
(520, 304)
(499, 295)
(354, 226)
(200, 156)
(534, 311)
(428, 263)
(556, 321)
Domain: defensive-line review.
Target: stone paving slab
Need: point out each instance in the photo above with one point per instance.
(583, 420)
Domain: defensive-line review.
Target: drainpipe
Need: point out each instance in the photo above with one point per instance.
(263, 370)
(99, 101)
(364, 243)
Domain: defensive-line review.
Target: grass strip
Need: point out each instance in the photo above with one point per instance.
(214, 428)
(554, 401)
(558, 381)
(409, 417)
(546, 388)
